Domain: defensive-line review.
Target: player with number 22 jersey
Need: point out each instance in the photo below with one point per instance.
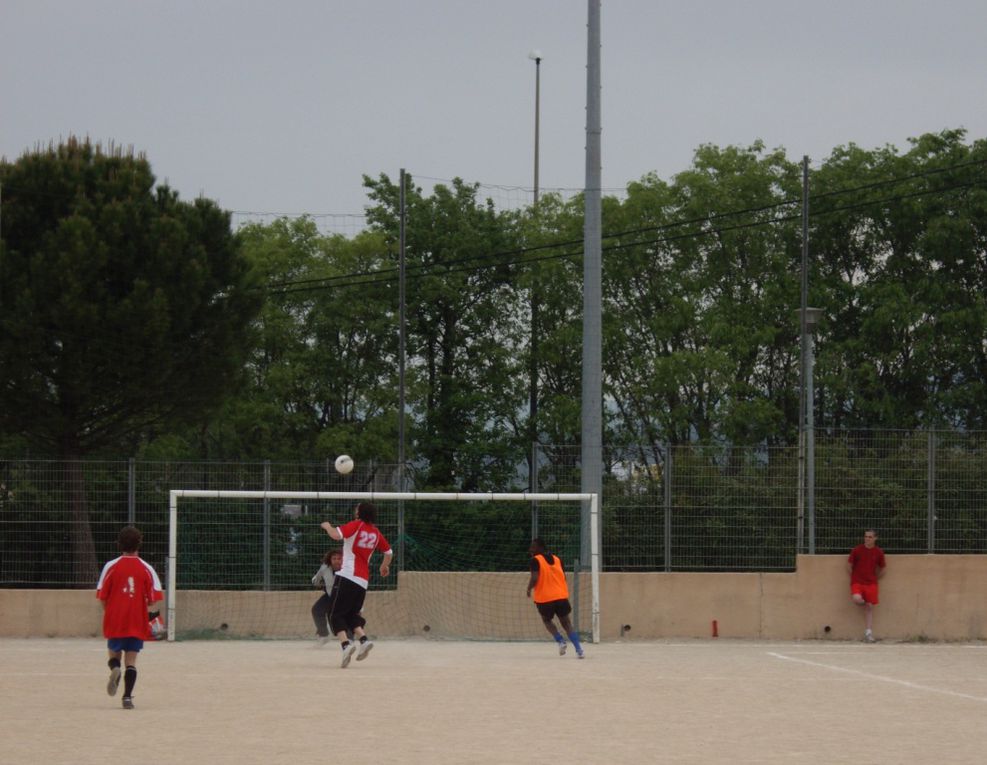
(360, 539)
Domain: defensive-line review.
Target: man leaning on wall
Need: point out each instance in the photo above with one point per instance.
(866, 565)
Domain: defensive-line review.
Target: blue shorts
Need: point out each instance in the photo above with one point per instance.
(124, 644)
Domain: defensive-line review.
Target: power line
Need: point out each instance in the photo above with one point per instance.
(386, 275)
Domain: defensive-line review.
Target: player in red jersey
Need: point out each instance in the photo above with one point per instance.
(866, 565)
(127, 586)
(360, 539)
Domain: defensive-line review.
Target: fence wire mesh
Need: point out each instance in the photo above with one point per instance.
(694, 507)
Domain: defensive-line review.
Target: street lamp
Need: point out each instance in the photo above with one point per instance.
(535, 56)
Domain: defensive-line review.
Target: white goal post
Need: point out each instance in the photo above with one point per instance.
(593, 499)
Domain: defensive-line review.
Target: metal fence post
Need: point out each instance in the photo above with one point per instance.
(666, 476)
(131, 492)
(533, 487)
(931, 492)
(267, 527)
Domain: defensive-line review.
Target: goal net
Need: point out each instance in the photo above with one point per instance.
(240, 563)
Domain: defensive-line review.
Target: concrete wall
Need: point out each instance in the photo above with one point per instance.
(932, 596)
(942, 597)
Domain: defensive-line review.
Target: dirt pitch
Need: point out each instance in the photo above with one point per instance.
(434, 702)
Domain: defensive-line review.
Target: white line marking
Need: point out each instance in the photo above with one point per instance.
(882, 678)
(847, 652)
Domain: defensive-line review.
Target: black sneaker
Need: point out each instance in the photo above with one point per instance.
(128, 702)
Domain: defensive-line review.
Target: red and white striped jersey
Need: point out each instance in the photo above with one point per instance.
(360, 539)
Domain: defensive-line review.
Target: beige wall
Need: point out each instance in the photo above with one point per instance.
(942, 597)
(937, 597)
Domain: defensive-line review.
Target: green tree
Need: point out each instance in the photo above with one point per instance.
(123, 311)
(323, 375)
(698, 336)
(466, 378)
(551, 278)
(898, 244)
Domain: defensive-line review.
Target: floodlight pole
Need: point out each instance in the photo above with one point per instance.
(591, 457)
(803, 302)
(402, 339)
(535, 56)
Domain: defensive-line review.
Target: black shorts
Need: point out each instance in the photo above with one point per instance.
(554, 608)
(345, 606)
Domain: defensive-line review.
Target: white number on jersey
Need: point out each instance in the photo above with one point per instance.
(366, 540)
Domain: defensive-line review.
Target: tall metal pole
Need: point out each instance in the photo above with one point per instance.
(810, 443)
(535, 300)
(931, 494)
(803, 331)
(808, 351)
(537, 57)
(402, 339)
(592, 384)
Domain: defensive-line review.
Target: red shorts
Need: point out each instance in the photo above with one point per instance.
(867, 591)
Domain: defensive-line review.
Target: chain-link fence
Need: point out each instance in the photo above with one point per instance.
(695, 507)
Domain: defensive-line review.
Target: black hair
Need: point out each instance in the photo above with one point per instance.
(538, 544)
(328, 556)
(129, 539)
(366, 512)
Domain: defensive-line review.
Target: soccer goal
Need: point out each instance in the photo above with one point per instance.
(240, 562)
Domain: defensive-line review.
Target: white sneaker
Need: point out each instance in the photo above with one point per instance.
(347, 655)
(869, 637)
(580, 654)
(562, 649)
(321, 641)
(114, 682)
(363, 650)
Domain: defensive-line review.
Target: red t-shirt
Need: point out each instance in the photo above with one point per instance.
(360, 539)
(865, 562)
(128, 585)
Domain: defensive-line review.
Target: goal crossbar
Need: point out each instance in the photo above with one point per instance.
(409, 496)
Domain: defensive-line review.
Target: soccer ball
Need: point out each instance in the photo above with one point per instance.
(344, 464)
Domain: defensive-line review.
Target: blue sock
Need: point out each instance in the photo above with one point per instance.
(559, 639)
(574, 637)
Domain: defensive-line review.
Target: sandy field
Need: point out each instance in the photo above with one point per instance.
(418, 701)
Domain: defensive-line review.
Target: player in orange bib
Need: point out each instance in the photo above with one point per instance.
(551, 595)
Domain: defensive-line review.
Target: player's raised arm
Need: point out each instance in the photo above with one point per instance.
(331, 530)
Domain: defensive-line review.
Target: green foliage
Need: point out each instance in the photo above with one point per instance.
(465, 380)
(698, 299)
(900, 271)
(322, 378)
(123, 311)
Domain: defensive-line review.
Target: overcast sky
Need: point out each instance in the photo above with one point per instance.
(281, 106)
